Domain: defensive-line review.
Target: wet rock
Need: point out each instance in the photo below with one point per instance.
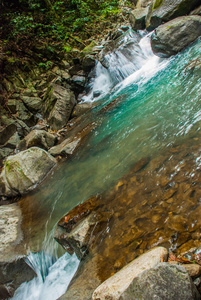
(34, 104)
(23, 171)
(59, 103)
(164, 11)
(194, 270)
(70, 145)
(78, 83)
(157, 283)
(13, 270)
(78, 239)
(115, 286)
(88, 63)
(38, 138)
(172, 37)
(67, 147)
(81, 108)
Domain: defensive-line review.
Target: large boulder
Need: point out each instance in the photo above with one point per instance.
(13, 268)
(165, 10)
(59, 103)
(163, 281)
(152, 13)
(173, 36)
(38, 138)
(23, 171)
(116, 285)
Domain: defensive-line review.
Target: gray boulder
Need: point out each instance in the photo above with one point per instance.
(38, 138)
(118, 284)
(13, 270)
(165, 10)
(67, 147)
(163, 281)
(23, 171)
(173, 36)
(59, 103)
(88, 63)
(81, 108)
(34, 104)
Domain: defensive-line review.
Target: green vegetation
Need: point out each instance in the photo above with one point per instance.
(53, 20)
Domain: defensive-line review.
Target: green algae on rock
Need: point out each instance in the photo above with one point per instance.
(23, 171)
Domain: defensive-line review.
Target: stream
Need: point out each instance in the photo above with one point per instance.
(145, 105)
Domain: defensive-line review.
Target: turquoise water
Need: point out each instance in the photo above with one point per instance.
(153, 110)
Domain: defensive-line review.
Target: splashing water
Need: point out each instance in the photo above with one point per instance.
(53, 277)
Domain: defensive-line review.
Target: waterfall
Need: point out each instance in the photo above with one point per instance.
(128, 57)
(53, 277)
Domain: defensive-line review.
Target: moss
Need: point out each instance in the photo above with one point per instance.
(157, 4)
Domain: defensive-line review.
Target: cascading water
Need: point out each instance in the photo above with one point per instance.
(129, 56)
(156, 102)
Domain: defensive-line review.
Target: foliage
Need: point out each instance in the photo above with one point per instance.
(54, 19)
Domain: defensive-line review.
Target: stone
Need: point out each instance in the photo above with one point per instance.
(81, 108)
(88, 63)
(24, 114)
(29, 92)
(78, 238)
(11, 104)
(138, 18)
(4, 152)
(88, 50)
(163, 281)
(194, 270)
(78, 80)
(164, 10)
(34, 104)
(13, 141)
(59, 105)
(116, 285)
(38, 138)
(23, 171)
(66, 148)
(173, 36)
(196, 11)
(7, 132)
(13, 269)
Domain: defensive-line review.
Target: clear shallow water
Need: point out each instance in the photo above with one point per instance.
(148, 117)
(152, 109)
